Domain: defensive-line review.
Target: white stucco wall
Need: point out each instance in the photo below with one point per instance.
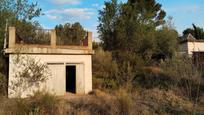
(195, 46)
(190, 47)
(57, 65)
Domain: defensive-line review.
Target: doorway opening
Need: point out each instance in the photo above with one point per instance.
(71, 78)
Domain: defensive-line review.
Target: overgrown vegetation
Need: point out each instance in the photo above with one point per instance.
(29, 74)
(40, 103)
(14, 13)
(70, 34)
(196, 31)
(175, 86)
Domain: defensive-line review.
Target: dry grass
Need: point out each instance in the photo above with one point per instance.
(120, 102)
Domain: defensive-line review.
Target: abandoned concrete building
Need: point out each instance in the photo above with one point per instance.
(70, 65)
(192, 47)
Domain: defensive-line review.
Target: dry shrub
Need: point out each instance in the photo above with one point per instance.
(176, 73)
(157, 101)
(105, 70)
(109, 74)
(98, 103)
(15, 106)
(151, 69)
(44, 103)
(151, 77)
(185, 75)
(119, 102)
(125, 102)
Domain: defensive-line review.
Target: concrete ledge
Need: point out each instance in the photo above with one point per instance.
(47, 51)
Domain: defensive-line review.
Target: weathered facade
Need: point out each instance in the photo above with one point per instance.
(188, 45)
(191, 47)
(70, 66)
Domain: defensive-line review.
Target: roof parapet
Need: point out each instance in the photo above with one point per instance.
(84, 44)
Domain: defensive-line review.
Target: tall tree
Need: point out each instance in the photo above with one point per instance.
(130, 26)
(167, 39)
(189, 31)
(107, 19)
(70, 34)
(149, 11)
(196, 31)
(21, 9)
(13, 11)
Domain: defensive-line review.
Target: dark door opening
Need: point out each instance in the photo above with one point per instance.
(71, 79)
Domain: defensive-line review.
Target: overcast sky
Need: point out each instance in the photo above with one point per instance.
(184, 12)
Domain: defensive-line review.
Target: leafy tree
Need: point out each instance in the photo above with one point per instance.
(148, 11)
(106, 28)
(196, 31)
(130, 27)
(31, 33)
(13, 11)
(166, 40)
(70, 33)
(21, 9)
(188, 31)
(199, 33)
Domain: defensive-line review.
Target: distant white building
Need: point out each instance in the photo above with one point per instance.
(71, 66)
(190, 45)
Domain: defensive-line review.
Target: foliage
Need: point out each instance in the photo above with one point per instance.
(152, 77)
(196, 31)
(22, 9)
(105, 70)
(158, 101)
(70, 34)
(13, 11)
(166, 42)
(31, 33)
(188, 31)
(108, 74)
(118, 102)
(130, 27)
(148, 12)
(43, 103)
(185, 75)
(106, 28)
(125, 102)
(29, 73)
